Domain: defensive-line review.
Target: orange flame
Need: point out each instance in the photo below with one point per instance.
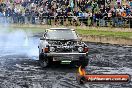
(81, 71)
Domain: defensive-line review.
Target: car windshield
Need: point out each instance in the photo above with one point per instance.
(61, 34)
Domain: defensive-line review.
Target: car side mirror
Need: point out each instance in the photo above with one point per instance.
(80, 38)
(44, 35)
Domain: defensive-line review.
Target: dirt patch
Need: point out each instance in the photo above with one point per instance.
(20, 71)
(105, 39)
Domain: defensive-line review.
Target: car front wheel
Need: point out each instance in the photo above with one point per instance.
(43, 61)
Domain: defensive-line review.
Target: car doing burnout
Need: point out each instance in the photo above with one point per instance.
(62, 45)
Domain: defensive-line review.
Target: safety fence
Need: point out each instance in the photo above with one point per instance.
(125, 22)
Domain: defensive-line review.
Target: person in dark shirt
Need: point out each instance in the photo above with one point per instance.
(102, 9)
(33, 16)
(68, 9)
(76, 13)
(67, 2)
(20, 18)
(114, 21)
(13, 15)
(41, 16)
(27, 15)
(105, 17)
(7, 12)
(107, 9)
(98, 16)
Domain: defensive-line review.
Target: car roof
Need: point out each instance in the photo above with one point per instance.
(61, 29)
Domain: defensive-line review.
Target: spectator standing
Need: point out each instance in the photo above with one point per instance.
(85, 20)
(8, 15)
(41, 15)
(114, 20)
(27, 16)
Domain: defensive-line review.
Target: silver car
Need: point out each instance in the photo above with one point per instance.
(64, 46)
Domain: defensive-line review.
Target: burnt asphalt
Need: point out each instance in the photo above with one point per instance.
(20, 71)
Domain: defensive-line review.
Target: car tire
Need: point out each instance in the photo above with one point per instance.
(83, 62)
(43, 61)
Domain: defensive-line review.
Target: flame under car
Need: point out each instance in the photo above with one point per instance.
(62, 45)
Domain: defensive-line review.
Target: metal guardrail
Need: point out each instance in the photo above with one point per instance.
(70, 20)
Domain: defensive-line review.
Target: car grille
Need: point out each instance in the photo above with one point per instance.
(62, 50)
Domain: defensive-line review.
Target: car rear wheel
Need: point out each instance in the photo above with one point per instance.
(83, 62)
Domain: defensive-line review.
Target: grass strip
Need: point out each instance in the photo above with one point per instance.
(126, 35)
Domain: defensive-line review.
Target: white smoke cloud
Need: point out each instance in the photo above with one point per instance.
(18, 42)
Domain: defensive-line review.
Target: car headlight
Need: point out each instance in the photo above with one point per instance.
(52, 49)
(80, 49)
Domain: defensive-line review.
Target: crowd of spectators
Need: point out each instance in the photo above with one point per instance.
(97, 12)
